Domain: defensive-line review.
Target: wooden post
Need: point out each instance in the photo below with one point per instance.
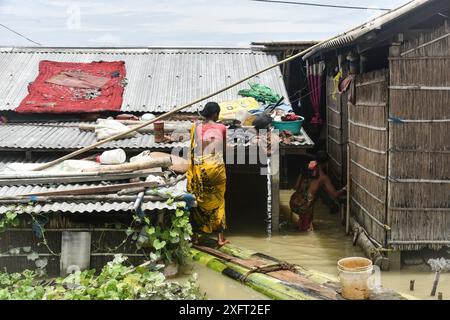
(275, 186)
(395, 49)
(349, 176)
(440, 296)
(411, 285)
(435, 283)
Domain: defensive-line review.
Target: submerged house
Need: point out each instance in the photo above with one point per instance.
(154, 80)
(388, 124)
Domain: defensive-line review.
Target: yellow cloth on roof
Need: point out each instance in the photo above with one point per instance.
(207, 181)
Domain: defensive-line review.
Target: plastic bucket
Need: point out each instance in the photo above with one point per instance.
(117, 156)
(75, 252)
(356, 277)
(292, 126)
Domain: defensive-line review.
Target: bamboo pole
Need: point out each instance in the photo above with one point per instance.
(171, 127)
(242, 253)
(349, 184)
(81, 198)
(110, 189)
(133, 166)
(178, 109)
(370, 250)
(82, 178)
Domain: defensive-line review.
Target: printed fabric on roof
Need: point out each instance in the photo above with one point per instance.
(64, 87)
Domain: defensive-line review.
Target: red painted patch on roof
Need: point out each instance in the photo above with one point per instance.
(65, 87)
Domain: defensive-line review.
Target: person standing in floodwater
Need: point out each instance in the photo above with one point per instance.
(207, 175)
(308, 185)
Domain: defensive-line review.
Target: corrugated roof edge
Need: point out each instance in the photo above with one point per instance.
(354, 34)
(143, 49)
(285, 43)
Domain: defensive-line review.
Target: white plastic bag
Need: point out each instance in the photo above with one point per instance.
(107, 128)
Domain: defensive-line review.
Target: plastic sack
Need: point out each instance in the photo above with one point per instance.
(261, 93)
(117, 156)
(229, 109)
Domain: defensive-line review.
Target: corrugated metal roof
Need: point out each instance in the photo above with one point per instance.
(10, 191)
(352, 35)
(60, 136)
(158, 79)
(92, 207)
(11, 158)
(75, 207)
(286, 43)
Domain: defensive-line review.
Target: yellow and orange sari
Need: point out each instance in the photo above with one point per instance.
(207, 181)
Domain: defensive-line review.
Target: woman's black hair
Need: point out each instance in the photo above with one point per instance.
(321, 157)
(211, 109)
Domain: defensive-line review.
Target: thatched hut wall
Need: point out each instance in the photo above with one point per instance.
(368, 138)
(106, 241)
(336, 118)
(419, 138)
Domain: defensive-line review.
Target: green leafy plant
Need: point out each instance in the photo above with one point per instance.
(9, 219)
(116, 281)
(168, 239)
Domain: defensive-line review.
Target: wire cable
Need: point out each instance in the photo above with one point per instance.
(322, 5)
(20, 35)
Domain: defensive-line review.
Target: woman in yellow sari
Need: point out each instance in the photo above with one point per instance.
(207, 175)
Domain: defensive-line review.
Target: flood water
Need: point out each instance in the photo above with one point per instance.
(319, 250)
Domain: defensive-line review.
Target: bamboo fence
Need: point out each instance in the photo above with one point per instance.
(419, 159)
(368, 138)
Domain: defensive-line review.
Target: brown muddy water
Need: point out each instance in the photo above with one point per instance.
(319, 250)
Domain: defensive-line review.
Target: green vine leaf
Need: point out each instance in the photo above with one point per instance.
(158, 245)
(10, 216)
(129, 232)
(151, 231)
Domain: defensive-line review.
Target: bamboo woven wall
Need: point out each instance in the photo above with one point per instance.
(103, 240)
(335, 143)
(419, 162)
(368, 152)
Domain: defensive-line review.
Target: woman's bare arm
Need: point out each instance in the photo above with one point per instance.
(298, 183)
(330, 189)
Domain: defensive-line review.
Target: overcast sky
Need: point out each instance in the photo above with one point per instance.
(175, 22)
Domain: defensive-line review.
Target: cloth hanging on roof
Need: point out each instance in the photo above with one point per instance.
(315, 74)
(65, 87)
(336, 82)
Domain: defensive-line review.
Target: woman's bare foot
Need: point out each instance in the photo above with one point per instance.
(221, 241)
(311, 228)
(220, 244)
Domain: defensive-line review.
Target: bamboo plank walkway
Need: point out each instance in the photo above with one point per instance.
(274, 278)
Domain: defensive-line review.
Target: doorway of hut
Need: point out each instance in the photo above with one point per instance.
(246, 199)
